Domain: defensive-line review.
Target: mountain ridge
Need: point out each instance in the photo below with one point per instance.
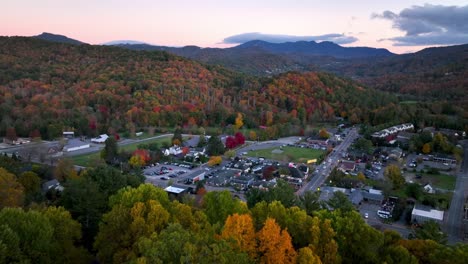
(58, 38)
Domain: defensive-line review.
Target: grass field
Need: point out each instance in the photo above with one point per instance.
(441, 181)
(91, 159)
(134, 146)
(289, 154)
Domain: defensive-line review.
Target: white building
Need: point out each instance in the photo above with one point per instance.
(421, 214)
(101, 139)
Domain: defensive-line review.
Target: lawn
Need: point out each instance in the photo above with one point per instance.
(91, 159)
(441, 181)
(289, 154)
(134, 146)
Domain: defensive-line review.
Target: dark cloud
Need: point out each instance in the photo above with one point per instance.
(245, 37)
(429, 25)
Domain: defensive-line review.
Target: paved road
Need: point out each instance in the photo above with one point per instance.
(453, 225)
(327, 166)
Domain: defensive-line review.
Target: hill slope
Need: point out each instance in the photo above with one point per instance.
(437, 73)
(58, 38)
(97, 89)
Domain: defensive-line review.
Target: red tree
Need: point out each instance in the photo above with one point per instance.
(240, 139)
(231, 142)
(143, 153)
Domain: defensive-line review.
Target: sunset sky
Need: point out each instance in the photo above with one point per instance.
(398, 25)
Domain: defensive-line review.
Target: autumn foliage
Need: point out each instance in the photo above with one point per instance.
(274, 244)
(215, 160)
(107, 88)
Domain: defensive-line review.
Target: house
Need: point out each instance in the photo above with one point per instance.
(421, 214)
(373, 196)
(54, 152)
(404, 137)
(428, 188)
(347, 166)
(18, 141)
(395, 153)
(356, 197)
(100, 139)
(174, 150)
(68, 134)
(243, 181)
(390, 133)
(52, 185)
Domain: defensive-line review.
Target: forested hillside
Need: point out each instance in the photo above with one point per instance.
(433, 73)
(94, 89)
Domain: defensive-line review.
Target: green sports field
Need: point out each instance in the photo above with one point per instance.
(293, 154)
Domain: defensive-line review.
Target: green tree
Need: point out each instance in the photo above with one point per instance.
(178, 245)
(110, 151)
(49, 236)
(393, 174)
(282, 192)
(309, 202)
(364, 145)
(340, 201)
(430, 230)
(86, 202)
(219, 205)
(177, 137)
(30, 181)
(393, 252)
(357, 241)
(110, 180)
(215, 146)
(122, 228)
(202, 141)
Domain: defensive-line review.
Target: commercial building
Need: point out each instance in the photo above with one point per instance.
(421, 214)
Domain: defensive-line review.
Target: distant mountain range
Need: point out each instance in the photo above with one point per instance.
(58, 38)
(123, 42)
(421, 74)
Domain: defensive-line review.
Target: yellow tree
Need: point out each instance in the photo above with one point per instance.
(11, 191)
(239, 121)
(307, 256)
(215, 160)
(426, 149)
(323, 133)
(136, 161)
(65, 170)
(240, 230)
(252, 135)
(323, 241)
(274, 244)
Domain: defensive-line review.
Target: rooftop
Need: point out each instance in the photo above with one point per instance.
(172, 189)
(428, 212)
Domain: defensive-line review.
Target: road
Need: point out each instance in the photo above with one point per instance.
(327, 166)
(453, 225)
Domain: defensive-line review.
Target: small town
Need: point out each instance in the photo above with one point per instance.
(395, 179)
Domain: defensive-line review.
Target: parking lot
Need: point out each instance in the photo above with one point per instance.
(160, 173)
(420, 162)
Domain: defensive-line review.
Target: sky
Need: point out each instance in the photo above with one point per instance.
(400, 26)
